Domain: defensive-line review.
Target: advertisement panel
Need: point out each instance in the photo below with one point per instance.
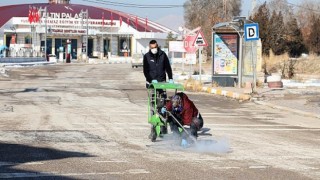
(226, 52)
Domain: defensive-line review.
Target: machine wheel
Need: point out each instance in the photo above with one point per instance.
(164, 130)
(153, 134)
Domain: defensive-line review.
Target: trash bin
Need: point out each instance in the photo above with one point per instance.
(274, 81)
(52, 58)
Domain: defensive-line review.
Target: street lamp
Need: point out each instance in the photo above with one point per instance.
(86, 14)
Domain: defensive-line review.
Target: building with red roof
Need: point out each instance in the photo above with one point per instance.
(58, 26)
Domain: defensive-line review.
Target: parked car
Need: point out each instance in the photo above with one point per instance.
(137, 60)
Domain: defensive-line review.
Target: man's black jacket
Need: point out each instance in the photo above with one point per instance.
(156, 66)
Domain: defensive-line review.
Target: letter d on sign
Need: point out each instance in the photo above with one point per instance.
(252, 32)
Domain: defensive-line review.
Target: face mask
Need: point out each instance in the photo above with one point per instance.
(154, 50)
(177, 109)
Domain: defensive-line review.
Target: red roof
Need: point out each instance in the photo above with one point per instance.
(22, 10)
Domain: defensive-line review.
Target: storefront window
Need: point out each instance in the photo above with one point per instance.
(125, 46)
(28, 39)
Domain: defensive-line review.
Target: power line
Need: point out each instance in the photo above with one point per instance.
(298, 6)
(105, 2)
(302, 7)
(173, 5)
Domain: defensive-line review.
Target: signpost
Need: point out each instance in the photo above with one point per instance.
(200, 41)
(251, 32)
(192, 41)
(190, 50)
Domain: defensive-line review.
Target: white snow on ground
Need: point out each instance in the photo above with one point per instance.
(3, 72)
(297, 84)
(286, 82)
(179, 77)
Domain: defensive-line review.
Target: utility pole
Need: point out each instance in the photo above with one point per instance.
(225, 9)
(253, 5)
(45, 10)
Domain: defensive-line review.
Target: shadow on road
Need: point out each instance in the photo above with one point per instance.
(12, 155)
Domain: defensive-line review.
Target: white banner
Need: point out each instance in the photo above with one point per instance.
(67, 22)
(176, 46)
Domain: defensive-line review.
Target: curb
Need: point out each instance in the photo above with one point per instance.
(229, 94)
(119, 62)
(26, 64)
(296, 111)
(221, 92)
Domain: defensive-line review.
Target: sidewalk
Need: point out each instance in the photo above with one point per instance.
(302, 101)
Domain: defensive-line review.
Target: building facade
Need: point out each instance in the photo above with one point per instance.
(34, 30)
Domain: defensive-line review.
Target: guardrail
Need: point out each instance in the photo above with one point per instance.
(22, 59)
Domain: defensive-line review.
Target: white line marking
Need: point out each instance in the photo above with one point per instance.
(116, 161)
(13, 164)
(248, 125)
(133, 114)
(33, 163)
(138, 171)
(223, 116)
(219, 113)
(226, 167)
(132, 128)
(84, 129)
(53, 174)
(7, 164)
(258, 167)
(127, 111)
(262, 129)
(87, 123)
(131, 123)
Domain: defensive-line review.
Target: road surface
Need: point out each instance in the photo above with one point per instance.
(90, 122)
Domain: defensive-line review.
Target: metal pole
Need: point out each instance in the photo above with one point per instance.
(87, 14)
(240, 64)
(182, 63)
(172, 60)
(200, 62)
(254, 69)
(46, 29)
(190, 66)
(102, 50)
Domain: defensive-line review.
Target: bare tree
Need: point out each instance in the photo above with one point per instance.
(314, 38)
(206, 13)
(281, 6)
(305, 16)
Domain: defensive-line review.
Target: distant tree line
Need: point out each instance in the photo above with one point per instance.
(284, 27)
(289, 28)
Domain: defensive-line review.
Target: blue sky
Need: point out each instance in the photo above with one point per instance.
(163, 16)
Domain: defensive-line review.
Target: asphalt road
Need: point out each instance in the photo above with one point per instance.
(90, 122)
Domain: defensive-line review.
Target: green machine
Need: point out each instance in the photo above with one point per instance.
(157, 98)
